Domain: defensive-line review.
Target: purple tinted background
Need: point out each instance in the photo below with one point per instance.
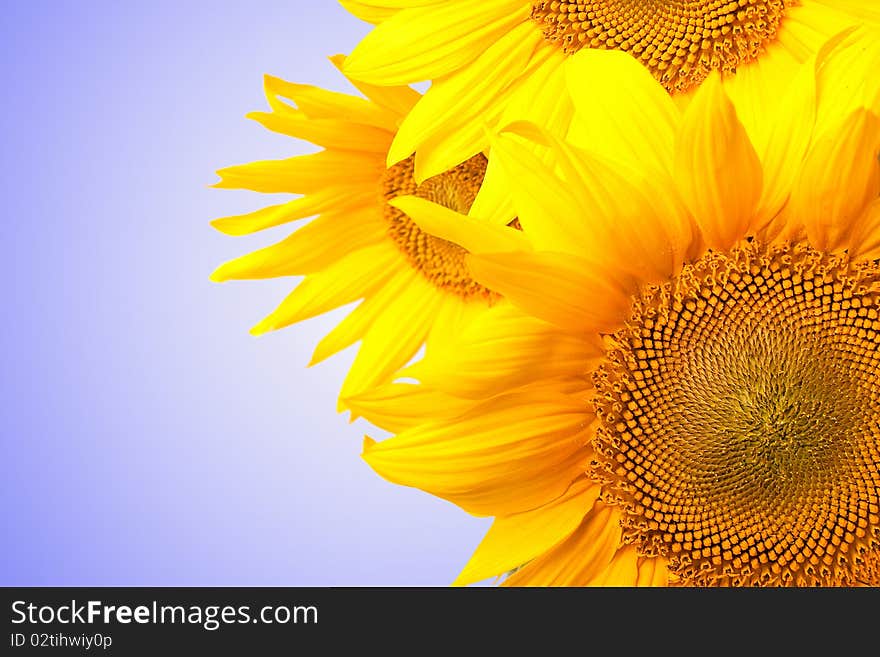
(147, 438)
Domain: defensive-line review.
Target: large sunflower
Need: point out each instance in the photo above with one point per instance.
(497, 59)
(685, 386)
(414, 286)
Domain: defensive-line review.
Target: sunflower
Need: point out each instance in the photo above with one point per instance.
(413, 286)
(685, 384)
(493, 60)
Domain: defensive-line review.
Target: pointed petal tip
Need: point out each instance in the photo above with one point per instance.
(262, 328)
(368, 445)
(404, 201)
(397, 153)
(227, 227)
(341, 406)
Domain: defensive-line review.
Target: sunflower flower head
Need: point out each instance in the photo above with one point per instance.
(685, 385)
(413, 285)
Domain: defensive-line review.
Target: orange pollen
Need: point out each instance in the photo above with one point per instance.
(679, 41)
(439, 261)
(739, 413)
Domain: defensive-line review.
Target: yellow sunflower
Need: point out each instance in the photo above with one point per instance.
(497, 59)
(413, 286)
(685, 385)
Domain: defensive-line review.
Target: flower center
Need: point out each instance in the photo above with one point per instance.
(680, 41)
(440, 261)
(740, 419)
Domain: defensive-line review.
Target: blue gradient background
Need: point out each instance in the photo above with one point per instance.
(147, 438)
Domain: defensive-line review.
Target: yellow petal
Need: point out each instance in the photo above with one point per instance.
(622, 112)
(493, 202)
(452, 319)
(623, 220)
(638, 222)
(860, 8)
(865, 242)
(311, 248)
(318, 103)
(472, 234)
(329, 133)
(465, 99)
(540, 95)
(347, 280)
(757, 88)
(305, 174)
(396, 407)
(559, 288)
(506, 455)
(788, 133)
(847, 78)
(370, 12)
(716, 168)
(622, 570)
(549, 210)
(399, 100)
(424, 43)
(355, 325)
(392, 339)
(514, 540)
(502, 349)
(652, 571)
(578, 559)
(839, 178)
(336, 197)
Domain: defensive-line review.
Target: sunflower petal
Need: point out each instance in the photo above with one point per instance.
(506, 455)
(392, 339)
(513, 540)
(631, 118)
(309, 249)
(328, 133)
(865, 242)
(549, 211)
(559, 288)
(305, 174)
(788, 137)
(355, 325)
(847, 78)
(839, 178)
(437, 39)
(473, 234)
(332, 197)
(652, 571)
(717, 170)
(493, 202)
(624, 220)
(502, 349)
(622, 570)
(318, 103)
(465, 99)
(347, 280)
(398, 99)
(396, 407)
(579, 558)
